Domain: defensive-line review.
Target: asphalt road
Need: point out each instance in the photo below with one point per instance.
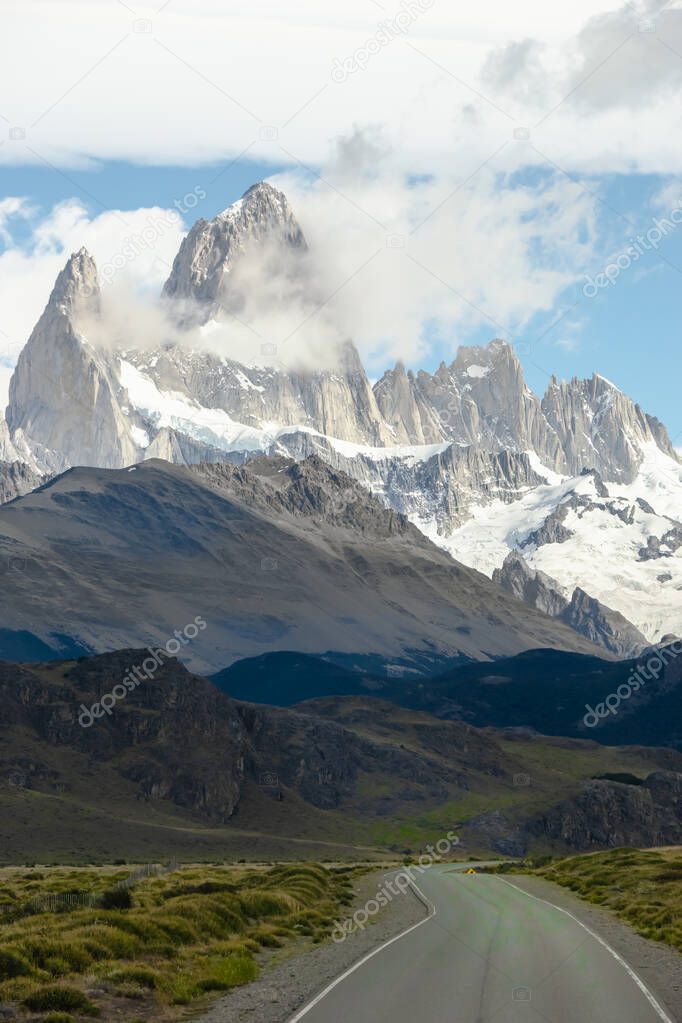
(488, 952)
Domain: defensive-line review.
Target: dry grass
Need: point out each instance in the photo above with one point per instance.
(643, 887)
(195, 931)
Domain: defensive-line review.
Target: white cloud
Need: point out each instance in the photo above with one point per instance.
(11, 206)
(28, 270)
(392, 263)
(205, 83)
(668, 197)
(441, 259)
(626, 59)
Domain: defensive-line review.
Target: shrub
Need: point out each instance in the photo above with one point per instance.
(61, 998)
(13, 965)
(116, 898)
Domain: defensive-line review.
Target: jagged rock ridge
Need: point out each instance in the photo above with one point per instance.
(585, 614)
(437, 447)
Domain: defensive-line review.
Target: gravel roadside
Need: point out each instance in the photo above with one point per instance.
(657, 965)
(292, 977)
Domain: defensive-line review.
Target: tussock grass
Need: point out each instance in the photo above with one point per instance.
(181, 937)
(642, 887)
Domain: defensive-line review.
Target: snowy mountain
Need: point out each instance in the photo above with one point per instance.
(583, 613)
(582, 483)
(620, 542)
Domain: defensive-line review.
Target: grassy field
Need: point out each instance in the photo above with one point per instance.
(141, 953)
(643, 887)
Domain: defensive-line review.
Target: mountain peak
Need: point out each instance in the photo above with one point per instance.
(260, 202)
(77, 284)
(606, 381)
(263, 188)
(209, 253)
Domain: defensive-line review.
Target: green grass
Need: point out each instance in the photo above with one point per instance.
(184, 936)
(643, 888)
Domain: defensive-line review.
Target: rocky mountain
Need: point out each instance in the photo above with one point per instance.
(482, 399)
(479, 399)
(63, 398)
(603, 625)
(203, 272)
(583, 613)
(600, 428)
(535, 588)
(616, 542)
(604, 813)
(186, 768)
(16, 479)
(479, 464)
(274, 555)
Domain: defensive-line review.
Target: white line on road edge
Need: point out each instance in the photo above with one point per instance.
(660, 1011)
(323, 994)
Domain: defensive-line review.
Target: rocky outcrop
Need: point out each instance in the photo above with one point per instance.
(663, 547)
(407, 408)
(63, 399)
(202, 276)
(603, 625)
(532, 587)
(17, 479)
(8, 452)
(481, 398)
(588, 616)
(600, 428)
(177, 738)
(175, 746)
(552, 529)
(606, 815)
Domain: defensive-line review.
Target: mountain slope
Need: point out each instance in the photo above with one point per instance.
(477, 461)
(620, 543)
(179, 766)
(552, 692)
(583, 613)
(273, 555)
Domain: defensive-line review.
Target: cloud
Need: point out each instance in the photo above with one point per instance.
(196, 83)
(627, 59)
(403, 262)
(393, 263)
(12, 206)
(517, 67)
(668, 197)
(29, 267)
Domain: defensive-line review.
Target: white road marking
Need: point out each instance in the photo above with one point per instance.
(655, 1004)
(330, 987)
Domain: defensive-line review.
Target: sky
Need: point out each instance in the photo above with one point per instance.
(501, 171)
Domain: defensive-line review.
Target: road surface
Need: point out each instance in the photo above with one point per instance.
(488, 953)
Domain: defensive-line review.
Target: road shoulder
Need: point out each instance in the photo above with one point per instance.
(292, 977)
(657, 965)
